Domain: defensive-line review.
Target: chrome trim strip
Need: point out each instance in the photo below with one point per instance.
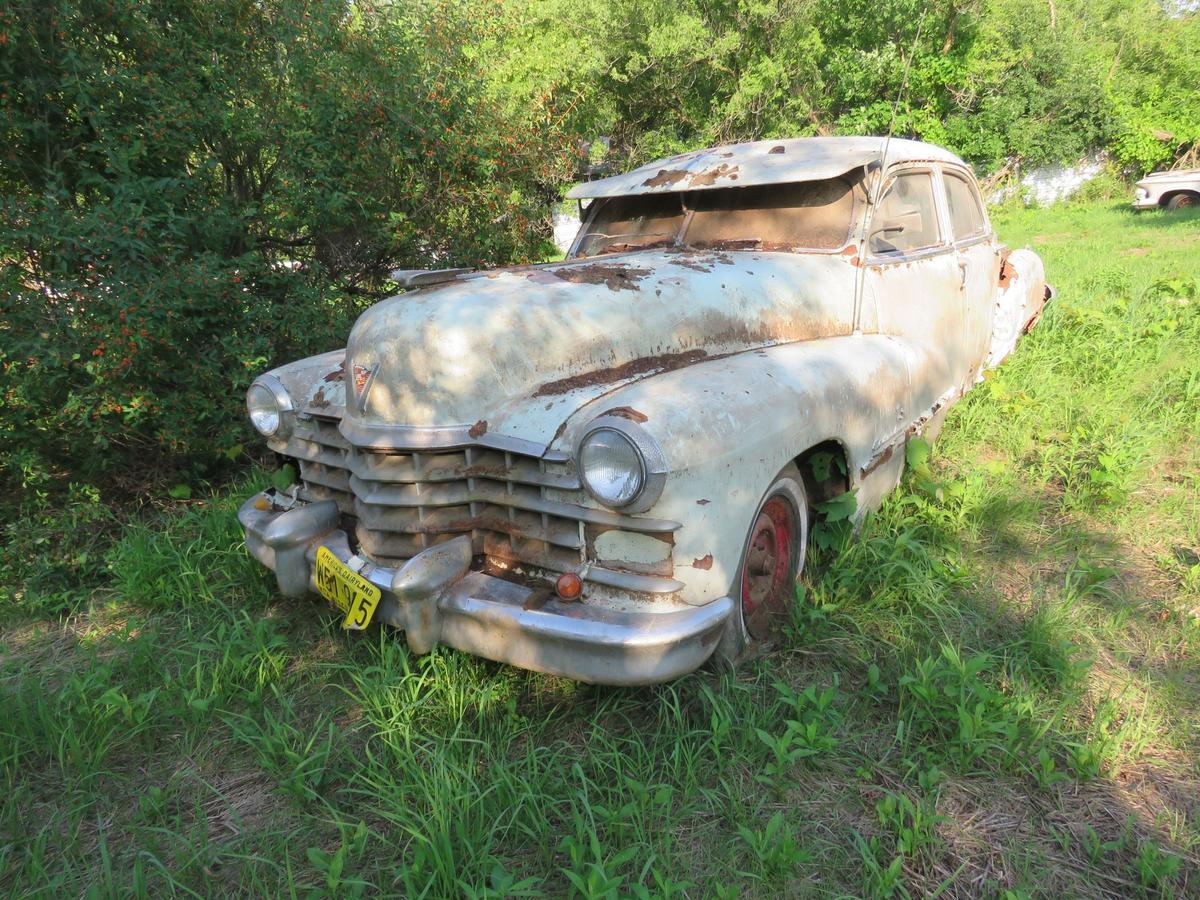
(440, 437)
(628, 581)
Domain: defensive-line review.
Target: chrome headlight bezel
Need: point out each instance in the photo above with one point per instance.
(652, 462)
(283, 405)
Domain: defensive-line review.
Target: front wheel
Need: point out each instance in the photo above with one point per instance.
(772, 560)
(1183, 201)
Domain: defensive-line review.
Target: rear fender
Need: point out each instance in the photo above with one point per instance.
(1020, 298)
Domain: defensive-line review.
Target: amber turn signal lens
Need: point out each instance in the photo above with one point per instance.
(569, 586)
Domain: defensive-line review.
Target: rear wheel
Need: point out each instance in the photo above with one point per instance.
(1183, 201)
(772, 560)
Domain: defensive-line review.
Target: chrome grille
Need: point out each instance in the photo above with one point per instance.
(515, 507)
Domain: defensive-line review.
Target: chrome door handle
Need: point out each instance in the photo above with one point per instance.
(962, 273)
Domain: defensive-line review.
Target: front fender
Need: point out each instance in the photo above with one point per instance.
(729, 425)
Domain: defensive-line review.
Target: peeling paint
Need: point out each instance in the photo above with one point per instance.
(478, 429)
(614, 277)
(878, 460)
(704, 562)
(666, 178)
(627, 412)
(646, 365)
(710, 177)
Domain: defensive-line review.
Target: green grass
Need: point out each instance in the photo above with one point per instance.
(992, 691)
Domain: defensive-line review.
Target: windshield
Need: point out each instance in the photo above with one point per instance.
(811, 215)
(632, 223)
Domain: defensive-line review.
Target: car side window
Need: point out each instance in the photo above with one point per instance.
(906, 218)
(966, 214)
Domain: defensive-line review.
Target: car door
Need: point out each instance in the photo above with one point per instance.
(978, 260)
(911, 288)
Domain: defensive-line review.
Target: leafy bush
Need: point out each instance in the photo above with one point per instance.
(194, 191)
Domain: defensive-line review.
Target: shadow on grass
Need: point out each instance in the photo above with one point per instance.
(220, 736)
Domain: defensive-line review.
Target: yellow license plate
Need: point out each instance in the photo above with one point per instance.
(346, 589)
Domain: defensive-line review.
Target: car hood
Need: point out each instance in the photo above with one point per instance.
(515, 351)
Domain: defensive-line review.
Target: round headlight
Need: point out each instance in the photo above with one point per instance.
(266, 402)
(611, 467)
(621, 464)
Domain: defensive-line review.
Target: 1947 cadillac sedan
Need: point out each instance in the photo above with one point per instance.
(605, 467)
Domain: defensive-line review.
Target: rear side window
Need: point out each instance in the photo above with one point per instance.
(966, 213)
(813, 215)
(906, 218)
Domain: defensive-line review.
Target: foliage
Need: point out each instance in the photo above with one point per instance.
(195, 191)
(995, 80)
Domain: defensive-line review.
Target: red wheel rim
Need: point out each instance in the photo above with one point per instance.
(768, 576)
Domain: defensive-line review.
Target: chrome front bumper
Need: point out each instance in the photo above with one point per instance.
(436, 599)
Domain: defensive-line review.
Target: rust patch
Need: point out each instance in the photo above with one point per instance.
(706, 179)
(319, 400)
(337, 374)
(666, 362)
(539, 598)
(615, 278)
(478, 429)
(694, 264)
(665, 178)
(778, 148)
(704, 562)
(1008, 274)
(878, 461)
(627, 412)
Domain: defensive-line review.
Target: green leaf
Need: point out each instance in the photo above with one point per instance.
(839, 508)
(917, 452)
(180, 492)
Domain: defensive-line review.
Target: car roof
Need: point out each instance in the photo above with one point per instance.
(761, 162)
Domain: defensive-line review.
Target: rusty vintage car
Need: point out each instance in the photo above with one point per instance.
(606, 467)
(1177, 189)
